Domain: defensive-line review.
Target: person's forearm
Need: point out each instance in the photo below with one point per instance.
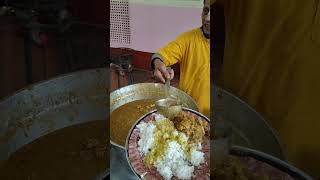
(154, 58)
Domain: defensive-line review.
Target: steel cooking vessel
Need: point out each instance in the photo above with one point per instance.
(249, 128)
(270, 160)
(51, 105)
(119, 166)
(146, 91)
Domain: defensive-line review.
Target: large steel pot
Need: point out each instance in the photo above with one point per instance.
(142, 91)
(119, 166)
(51, 105)
(249, 128)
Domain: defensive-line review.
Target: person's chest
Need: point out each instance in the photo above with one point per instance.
(197, 57)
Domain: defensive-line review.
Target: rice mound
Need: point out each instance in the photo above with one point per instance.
(178, 158)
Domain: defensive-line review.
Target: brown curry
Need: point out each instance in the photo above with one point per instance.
(76, 152)
(123, 118)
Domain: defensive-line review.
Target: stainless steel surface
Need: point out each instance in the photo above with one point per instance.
(220, 150)
(103, 176)
(168, 107)
(140, 91)
(51, 105)
(249, 128)
(222, 142)
(120, 168)
(273, 161)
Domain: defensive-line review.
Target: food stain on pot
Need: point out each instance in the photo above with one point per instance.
(49, 123)
(25, 125)
(8, 134)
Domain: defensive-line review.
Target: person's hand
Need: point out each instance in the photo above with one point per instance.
(161, 72)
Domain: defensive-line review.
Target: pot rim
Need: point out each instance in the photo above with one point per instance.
(270, 160)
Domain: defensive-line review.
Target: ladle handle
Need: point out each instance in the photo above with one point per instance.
(167, 84)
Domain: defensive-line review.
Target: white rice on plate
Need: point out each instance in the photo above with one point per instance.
(173, 156)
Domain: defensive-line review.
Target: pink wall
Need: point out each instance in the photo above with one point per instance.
(154, 26)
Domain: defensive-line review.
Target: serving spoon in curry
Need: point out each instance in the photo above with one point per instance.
(170, 106)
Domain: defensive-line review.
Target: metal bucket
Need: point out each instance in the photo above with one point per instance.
(48, 106)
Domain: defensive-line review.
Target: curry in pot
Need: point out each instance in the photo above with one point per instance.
(123, 118)
(77, 152)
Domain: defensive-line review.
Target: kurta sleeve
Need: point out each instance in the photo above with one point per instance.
(174, 52)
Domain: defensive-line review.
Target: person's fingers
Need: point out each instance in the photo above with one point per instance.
(164, 71)
(159, 75)
(171, 72)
